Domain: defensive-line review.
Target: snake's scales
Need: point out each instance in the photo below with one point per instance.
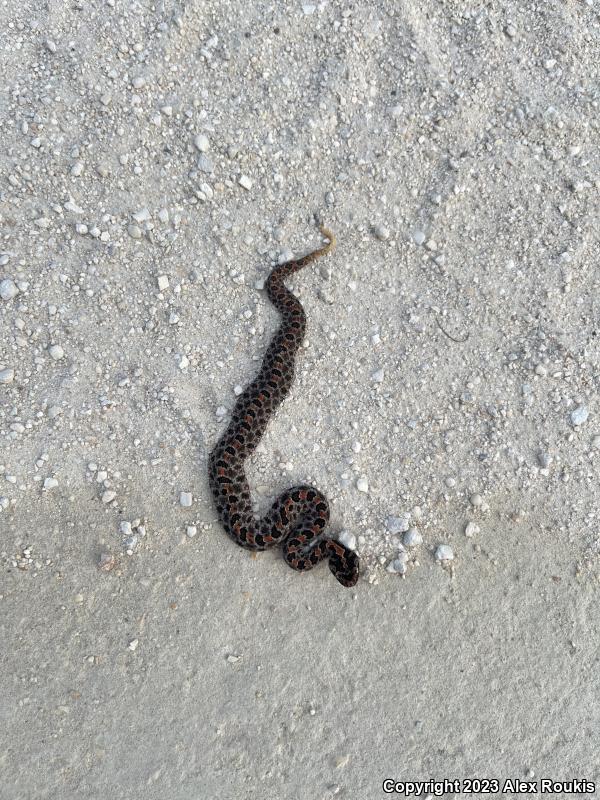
(297, 519)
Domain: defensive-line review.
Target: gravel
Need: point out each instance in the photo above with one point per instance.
(157, 160)
(398, 524)
(444, 552)
(8, 289)
(202, 143)
(56, 352)
(362, 484)
(579, 415)
(471, 529)
(412, 538)
(185, 499)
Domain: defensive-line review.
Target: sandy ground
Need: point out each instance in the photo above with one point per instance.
(156, 160)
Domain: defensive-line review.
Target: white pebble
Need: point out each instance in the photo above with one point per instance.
(202, 143)
(381, 232)
(108, 496)
(191, 531)
(412, 538)
(184, 362)
(245, 182)
(471, 529)
(398, 524)
(133, 644)
(134, 231)
(377, 376)
(73, 207)
(476, 500)
(8, 289)
(205, 192)
(185, 499)
(398, 565)
(418, 237)
(7, 375)
(125, 527)
(348, 539)
(444, 553)
(163, 282)
(143, 215)
(579, 415)
(362, 484)
(544, 459)
(50, 483)
(56, 352)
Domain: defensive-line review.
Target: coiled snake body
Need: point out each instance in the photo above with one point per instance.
(297, 519)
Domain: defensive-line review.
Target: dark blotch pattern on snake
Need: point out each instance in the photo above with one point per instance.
(298, 518)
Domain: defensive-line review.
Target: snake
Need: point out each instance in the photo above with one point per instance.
(298, 518)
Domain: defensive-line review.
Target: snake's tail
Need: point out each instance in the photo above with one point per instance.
(300, 263)
(330, 244)
(321, 251)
